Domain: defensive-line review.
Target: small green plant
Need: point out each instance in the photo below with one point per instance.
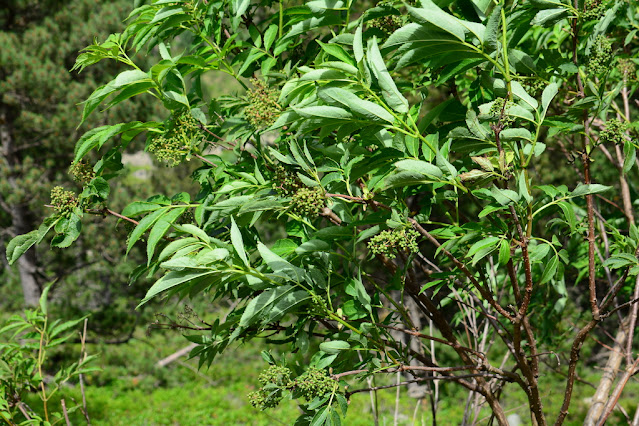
(25, 342)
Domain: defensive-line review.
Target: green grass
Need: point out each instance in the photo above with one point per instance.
(131, 390)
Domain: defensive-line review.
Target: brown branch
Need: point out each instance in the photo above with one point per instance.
(421, 379)
(199, 157)
(485, 294)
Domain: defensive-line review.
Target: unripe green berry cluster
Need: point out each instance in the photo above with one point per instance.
(274, 380)
(187, 217)
(499, 111)
(627, 68)
(593, 9)
(308, 201)
(390, 242)
(314, 382)
(82, 172)
(182, 133)
(264, 109)
(600, 56)
(277, 379)
(534, 87)
(277, 375)
(388, 24)
(318, 305)
(63, 201)
(614, 132)
(286, 181)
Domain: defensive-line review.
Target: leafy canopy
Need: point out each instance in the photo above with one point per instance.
(380, 163)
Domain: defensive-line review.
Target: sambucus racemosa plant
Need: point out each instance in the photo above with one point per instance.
(438, 163)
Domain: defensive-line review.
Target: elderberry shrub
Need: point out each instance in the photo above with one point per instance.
(390, 242)
(63, 201)
(182, 133)
(263, 109)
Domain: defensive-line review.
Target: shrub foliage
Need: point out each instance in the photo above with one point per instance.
(466, 165)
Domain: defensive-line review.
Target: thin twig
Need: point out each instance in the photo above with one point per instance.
(64, 411)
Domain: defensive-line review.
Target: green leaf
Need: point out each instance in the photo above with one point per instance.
(520, 93)
(324, 111)
(593, 188)
(547, 96)
(419, 166)
(173, 279)
(269, 36)
(550, 270)
(569, 214)
(321, 416)
(491, 37)
(487, 242)
(68, 230)
(630, 154)
(548, 17)
(281, 266)
(238, 242)
(160, 228)
(44, 298)
(334, 346)
(620, 260)
(358, 45)
(144, 224)
(313, 246)
(389, 90)
(504, 196)
(259, 308)
(337, 51)
(504, 252)
(359, 106)
(523, 188)
(432, 14)
(20, 244)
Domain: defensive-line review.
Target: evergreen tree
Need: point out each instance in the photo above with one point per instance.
(39, 106)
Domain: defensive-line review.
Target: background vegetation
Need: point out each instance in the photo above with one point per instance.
(287, 126)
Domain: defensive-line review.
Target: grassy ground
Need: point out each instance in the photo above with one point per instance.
(131, 390)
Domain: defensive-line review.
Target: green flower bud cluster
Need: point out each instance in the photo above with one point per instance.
(593, 9)
(264, 109)
(274, 381)
(627, 68)
(499, 107)
(614, 133)
(308, 201)
(318, 305)
(314, 382)
(390, 242)
(387, 24)
(63, 201)
(286, 181)
(82, 172)
(188, 217)
(534, 87)
(600, 56)
(182, 133)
